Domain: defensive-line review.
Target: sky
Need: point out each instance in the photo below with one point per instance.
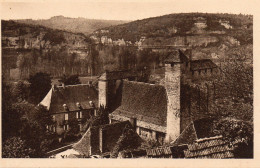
(118, 9)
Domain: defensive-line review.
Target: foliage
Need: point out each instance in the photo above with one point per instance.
(128, 140)
(40, 84)
(76, 25)
(101, 118)
(25, 123)
(73, 133)
(234, 87)
(15, 147)
(70, 80)
(20, 91)
(239, 133)
(54, 37)
(183, 22)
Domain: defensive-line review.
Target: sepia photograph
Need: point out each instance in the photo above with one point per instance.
(126, 79)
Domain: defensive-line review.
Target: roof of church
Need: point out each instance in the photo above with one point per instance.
(146, 102)
(202, 64)
(70, 95)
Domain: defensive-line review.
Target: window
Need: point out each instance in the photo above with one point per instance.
(79, 114)
(54, 129)
(66, 127)
(66, 116)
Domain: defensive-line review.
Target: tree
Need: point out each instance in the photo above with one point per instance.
(239, 133)
(20, 91)
(100, 119)
(54, 37)
(234, 86)
(128, 140)
(70, 80)
(27, 122)
(15, 147)
(40, 84)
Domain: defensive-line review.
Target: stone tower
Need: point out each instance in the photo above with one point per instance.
(173, 85)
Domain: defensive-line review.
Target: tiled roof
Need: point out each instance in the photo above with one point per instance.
(114, 75)
(144, 101)
(83, 145)
(70, 95)
(214, 147)
(187, 136)
(202, 64)
(159, 151)
(176, 57)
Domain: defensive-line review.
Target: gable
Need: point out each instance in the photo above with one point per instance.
(70, 95)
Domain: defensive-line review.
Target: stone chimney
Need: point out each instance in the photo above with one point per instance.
(172, 84)
(133, 123)
(103, 90)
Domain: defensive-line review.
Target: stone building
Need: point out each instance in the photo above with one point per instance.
(159, 112)
(70, 103)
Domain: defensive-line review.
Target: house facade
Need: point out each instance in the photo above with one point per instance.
(71, 104)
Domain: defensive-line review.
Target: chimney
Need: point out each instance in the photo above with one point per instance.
(65, 107)
(133, 123)
(79, 105)
(92, 105)
(172, 86)
(102, 90)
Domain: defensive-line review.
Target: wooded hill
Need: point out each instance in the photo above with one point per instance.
(185, 24)
(75, 25)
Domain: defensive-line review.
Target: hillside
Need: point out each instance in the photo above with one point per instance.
(170, 29)
(76, 25)
(27, 49)
(24, 36)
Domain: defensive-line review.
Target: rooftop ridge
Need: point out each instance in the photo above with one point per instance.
(209, 138)
(74, 85)
(143, 83)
